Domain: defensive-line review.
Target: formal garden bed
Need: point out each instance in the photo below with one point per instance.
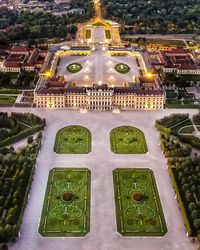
(73, 140)
(88, 34)
(138, 208)
(74, 67)
(122, 68)
(107, 34)
(66, 209)
(16, 174)
(183, 169)
(7, 100)
(128, 140)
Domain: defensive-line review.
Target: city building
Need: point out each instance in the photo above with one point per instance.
(22, 58)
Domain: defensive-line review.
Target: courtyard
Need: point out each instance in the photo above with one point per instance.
(99, 67)
(101, 162)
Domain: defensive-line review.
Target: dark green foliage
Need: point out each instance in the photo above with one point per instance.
(154, 16)
(18, 126)
(16, 173)
(196, 119)
(190, 139)
(172, 120)
(30, 139)
(185, 173)
(33, 25)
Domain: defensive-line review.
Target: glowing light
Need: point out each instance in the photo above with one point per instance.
(86, 77)
(112, 85)
(47, 74)
(149, 75)
(100, 82)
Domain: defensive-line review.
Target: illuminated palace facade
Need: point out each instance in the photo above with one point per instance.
(99, 97)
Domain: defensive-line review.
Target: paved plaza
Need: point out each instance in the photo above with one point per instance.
(101, 161)
(98, 68)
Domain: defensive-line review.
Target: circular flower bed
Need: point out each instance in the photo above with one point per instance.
(122, 68)
(74, 67)
(67, 196)
(137, 196)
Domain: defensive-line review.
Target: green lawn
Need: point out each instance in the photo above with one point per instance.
(88, 34)
(66, 209)
(10, 91)
(127, 140)
(7, 100)
(107, 34)
(122, 68)
(13, 75)
(74, 67)
(73, 140)
(138, 208)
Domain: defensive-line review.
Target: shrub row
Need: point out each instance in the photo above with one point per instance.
(180, 202)
(190, 139)
(20, 168)
(21, 135)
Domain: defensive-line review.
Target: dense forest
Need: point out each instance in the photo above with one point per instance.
(155, 16)
(26, 24)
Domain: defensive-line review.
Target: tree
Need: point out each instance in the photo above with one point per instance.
(195, 214)
(30, 140)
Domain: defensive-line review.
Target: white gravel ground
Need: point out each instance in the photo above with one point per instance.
(101, 161)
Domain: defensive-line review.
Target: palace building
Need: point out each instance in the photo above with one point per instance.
(57, 94)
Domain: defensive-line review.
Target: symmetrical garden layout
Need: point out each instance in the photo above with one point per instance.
(66, 209)
(138, 208)
(127, 140)
(73, 140)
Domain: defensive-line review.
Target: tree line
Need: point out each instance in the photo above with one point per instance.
(156, 16)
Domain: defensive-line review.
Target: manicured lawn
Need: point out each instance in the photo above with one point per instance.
(74, 67)
(122, 68)
(7, 100)
(107, 34)
(66, 209)
(127, 140)
(88, 34)
(73, 140)
(13, 75)
(10, 91)
(138, 208)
